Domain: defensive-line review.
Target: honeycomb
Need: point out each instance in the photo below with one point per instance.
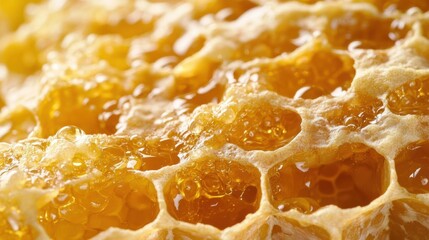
(214, 119)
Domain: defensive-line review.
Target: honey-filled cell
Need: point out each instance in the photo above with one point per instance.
(213, 191)
(120, 152)
(246, 126)
(94, 109)
(365, 31)
(144, 154)
(196, 82)
(266, 130)
(355, 176)
(411, 97)
(356, 113)
(412, 167)
(81, 210)
(285, 36)
(316, 73)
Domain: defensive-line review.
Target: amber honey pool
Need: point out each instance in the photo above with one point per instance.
(214, 119)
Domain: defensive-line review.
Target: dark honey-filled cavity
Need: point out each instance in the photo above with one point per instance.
(412, 167)
(354, 177)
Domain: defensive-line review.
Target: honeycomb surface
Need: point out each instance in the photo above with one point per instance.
(214, 119)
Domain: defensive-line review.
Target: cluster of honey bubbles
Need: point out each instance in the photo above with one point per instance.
(78, 145)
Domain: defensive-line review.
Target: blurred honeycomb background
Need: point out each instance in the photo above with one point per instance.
(214, 119)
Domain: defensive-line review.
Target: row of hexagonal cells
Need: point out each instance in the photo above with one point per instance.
(222, 192)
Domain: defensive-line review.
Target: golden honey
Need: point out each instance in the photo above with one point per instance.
(214, 119)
